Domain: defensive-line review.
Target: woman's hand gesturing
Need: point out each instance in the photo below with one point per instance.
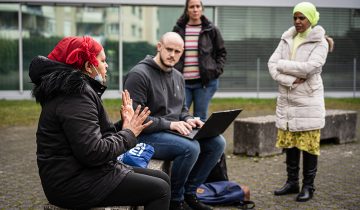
(135, 124)
(127, 110)
(133, 120)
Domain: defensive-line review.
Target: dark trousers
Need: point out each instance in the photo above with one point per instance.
(145, 187)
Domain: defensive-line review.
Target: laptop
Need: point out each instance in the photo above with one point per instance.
(215, 125)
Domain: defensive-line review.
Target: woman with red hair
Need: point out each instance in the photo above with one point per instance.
(77, 145)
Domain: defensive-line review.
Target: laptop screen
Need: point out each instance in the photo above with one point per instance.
(215, 125)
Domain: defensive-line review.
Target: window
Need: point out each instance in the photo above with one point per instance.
(251, 35)
(67, 28)
(9, 39)
(133, 30)
(133, 10)
(140, 33)
(114, 28)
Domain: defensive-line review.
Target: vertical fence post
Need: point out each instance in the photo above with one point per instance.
(120, 48)
(257, 77)
(21, 77)
(354, 83)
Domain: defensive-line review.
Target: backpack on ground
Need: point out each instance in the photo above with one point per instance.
(223, 193)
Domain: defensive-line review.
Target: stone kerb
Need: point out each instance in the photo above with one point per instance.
(340, 125)
(52, 207)
(160, 165)
(256, 136)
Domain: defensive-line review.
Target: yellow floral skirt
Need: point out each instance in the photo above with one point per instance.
(308, 141)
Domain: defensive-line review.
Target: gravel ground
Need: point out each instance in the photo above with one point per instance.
(337, 182)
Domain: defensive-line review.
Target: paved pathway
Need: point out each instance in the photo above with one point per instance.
(337, 182)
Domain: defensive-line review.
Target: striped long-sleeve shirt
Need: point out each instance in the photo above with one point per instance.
(191, 64)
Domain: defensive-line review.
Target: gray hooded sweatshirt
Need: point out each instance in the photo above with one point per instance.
(163, 92)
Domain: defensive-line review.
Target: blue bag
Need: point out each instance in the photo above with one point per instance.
(223, 193)
(220, 193)
(139, 156)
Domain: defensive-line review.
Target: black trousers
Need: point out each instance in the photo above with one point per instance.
(146, 187)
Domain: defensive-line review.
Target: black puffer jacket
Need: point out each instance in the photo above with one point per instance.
(77, 145)
(212, 52)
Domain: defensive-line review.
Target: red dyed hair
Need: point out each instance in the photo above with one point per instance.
(75, 51)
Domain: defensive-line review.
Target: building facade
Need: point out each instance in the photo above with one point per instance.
(129, 30)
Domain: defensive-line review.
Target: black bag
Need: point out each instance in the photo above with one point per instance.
(219, 172)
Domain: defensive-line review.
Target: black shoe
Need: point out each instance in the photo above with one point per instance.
(195, 204)
(306, 193)
(287, 189)
(179, 205)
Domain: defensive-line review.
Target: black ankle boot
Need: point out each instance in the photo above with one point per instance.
(306, 193)
(292, 168)
(288, 188)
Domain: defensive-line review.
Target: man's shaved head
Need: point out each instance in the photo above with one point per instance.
(173, 37)
(170, 48)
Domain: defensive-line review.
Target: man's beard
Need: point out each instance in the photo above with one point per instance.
(169, 67)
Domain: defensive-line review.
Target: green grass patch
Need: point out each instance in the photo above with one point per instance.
(26, 112)
(249, 104)
(112, 107)
(19, 112)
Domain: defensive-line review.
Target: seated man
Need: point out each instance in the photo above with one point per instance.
(154, 83)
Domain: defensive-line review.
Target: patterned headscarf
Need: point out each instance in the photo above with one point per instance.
(75, 51)
(309, 11)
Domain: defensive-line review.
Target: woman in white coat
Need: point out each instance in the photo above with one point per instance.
(296, 65)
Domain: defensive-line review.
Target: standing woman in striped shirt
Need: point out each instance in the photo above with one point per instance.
(204, 57)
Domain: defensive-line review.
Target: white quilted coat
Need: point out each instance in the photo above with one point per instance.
(301, 107)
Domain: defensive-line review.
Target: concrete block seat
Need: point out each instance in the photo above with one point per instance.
(153, 164)
(256, 136)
